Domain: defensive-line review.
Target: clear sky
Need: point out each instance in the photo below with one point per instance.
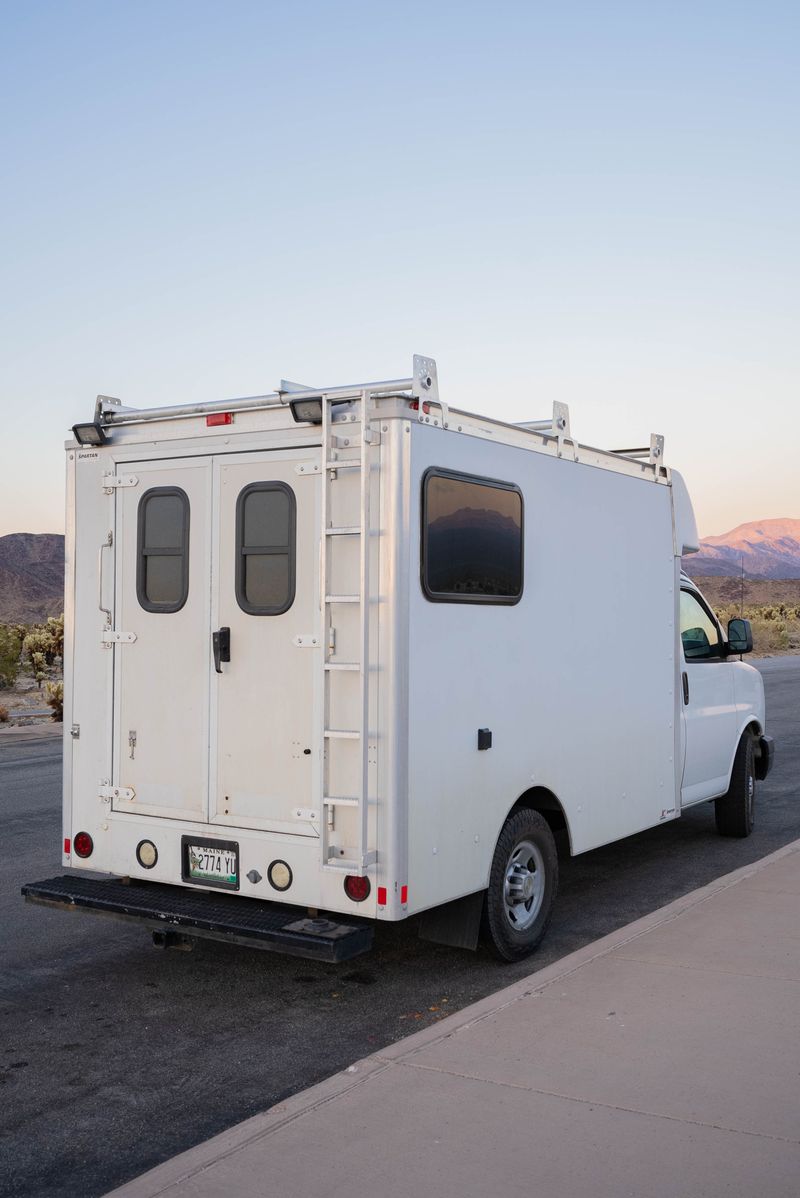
(590, 202)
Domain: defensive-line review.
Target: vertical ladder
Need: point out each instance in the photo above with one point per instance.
(352, 858)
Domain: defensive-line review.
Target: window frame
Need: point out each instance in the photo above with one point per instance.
(453, 596)
(142, 552)
(720, 654)
(290, 550)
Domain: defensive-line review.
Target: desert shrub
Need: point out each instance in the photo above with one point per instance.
(4, 716)
(776, 627)
(43, 646)
(10, 651)
(54, 697)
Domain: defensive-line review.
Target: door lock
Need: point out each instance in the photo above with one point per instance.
(221, 644)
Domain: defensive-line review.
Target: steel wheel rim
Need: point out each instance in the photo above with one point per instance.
(523, 885)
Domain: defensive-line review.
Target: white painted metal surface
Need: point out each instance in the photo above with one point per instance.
(341, 737)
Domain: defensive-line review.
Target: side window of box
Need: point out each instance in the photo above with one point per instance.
(472, 539)
(266, 518)
(162, 550)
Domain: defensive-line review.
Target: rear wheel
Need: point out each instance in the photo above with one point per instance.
(522, 886)
(735, 811)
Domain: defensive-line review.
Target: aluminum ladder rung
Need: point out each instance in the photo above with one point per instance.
(339, 801)
(346, 530)
(347, 464)
(342, 598)
(342, 734)
(342, 665)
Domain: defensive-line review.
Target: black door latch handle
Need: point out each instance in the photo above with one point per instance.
(221, 643)
(685, 687)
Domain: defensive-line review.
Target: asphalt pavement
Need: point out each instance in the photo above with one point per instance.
(115, 1056)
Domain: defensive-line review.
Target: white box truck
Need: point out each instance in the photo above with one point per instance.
(349, 654)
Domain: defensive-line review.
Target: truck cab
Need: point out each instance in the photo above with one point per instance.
(724, 747)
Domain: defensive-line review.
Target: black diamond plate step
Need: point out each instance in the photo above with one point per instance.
(237, 920)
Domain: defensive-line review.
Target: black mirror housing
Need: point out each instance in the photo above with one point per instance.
(740, 636)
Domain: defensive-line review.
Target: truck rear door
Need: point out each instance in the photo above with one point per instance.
(217, 729)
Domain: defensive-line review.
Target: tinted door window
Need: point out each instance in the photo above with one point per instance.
(162, 573)
(471, 539)
(265, 549)
(699, 633)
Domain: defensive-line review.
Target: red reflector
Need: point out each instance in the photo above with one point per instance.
(66, 845)
(403, 894)
(219, 418)
(83, 844)
(356, 888)
(381, 896)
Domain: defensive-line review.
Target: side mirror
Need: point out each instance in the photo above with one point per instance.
(740, 636)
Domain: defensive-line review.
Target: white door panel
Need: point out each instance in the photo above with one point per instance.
(161, 679)
(263, 699)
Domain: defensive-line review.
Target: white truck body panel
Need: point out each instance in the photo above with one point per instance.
(579, 681)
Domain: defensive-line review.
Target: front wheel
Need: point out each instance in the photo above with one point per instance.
(522, 886)
(735, 811)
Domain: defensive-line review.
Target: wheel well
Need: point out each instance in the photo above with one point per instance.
(540, 799)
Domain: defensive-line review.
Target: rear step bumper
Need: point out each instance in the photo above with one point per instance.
(239, 920)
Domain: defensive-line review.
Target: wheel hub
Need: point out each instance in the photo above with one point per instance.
(524, 885)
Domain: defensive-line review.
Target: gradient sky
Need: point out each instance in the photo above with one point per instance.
(596, 203)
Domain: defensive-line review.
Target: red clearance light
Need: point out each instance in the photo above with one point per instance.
(67, 843)
(356, 888)
(219, 418)
(381, 896)
(403, 894)
(83, 844)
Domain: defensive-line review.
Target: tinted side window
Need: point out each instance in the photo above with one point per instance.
(162, 554)
(266, 516)
(699, 633)
(471, 539)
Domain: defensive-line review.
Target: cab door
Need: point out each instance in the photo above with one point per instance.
(266, 615)
(709, 704)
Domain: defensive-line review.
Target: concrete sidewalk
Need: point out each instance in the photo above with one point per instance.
(663, 1060)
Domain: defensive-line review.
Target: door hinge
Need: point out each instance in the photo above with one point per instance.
(75, 731)
(107, 793)
(112, 481)
(110, 637)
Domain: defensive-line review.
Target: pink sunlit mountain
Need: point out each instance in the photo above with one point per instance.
(766, 548)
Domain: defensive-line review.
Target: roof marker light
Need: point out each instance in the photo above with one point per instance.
(217, 418)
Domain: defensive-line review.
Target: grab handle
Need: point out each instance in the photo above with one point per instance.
(105, 610)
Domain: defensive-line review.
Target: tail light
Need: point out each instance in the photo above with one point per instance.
(83, 844)
(356, 888)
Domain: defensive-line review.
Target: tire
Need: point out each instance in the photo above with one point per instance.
(525, 862)
(735, 811)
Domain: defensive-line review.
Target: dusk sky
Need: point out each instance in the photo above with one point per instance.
(594, 203)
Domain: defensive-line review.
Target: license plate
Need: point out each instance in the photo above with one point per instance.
(211, 863)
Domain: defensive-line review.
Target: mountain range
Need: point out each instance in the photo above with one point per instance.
(763, 548)
(31, 577)
(32, 565)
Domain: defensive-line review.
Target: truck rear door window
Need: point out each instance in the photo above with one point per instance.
(162, 569)
(266, 516)
(471, 539)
